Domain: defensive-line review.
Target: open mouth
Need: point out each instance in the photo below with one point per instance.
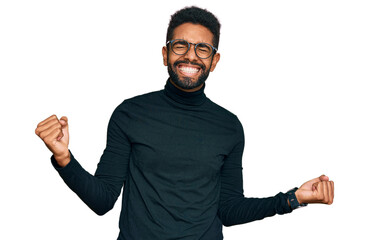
(188, 69)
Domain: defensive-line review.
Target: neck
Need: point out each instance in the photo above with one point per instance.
(193, 98)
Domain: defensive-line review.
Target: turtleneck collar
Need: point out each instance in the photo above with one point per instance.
(188, 98)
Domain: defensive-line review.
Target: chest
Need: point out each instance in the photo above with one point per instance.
(182, 145)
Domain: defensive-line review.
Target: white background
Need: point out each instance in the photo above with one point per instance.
(294, 72)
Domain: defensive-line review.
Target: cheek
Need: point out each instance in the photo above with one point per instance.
(172, 59)
(209, 66)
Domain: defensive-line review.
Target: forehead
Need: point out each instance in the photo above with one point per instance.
(194, 33)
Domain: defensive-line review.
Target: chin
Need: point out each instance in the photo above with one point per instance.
(187, 83)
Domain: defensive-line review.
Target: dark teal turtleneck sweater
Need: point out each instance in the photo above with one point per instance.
(179, 157)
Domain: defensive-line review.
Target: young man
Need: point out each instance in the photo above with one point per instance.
(177, 154)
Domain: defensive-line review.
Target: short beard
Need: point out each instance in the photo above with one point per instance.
(186, 82)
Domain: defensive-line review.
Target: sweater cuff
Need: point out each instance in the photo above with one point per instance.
(68, 169)
(283, 207)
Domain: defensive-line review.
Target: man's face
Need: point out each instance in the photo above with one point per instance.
(189, 72)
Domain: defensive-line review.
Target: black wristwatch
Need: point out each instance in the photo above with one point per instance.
(293, 200)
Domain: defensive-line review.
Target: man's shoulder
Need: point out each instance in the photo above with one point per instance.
(221, 109)
(223, 112)
(149, 97)
(145, 96)
(136, 104)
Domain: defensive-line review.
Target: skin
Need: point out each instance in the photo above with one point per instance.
(317, 190)
(55, 134)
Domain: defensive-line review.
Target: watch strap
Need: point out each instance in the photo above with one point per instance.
(293, 200)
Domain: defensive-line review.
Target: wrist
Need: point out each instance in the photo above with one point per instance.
(62, 159)
(298, 196)
(292, 199)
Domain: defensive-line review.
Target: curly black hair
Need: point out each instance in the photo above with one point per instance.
(197, 16)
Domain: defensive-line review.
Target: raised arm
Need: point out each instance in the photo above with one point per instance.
(234, 208)
(99, 191)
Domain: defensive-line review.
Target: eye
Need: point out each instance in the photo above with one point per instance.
(180, 44)
(203, 50)
(203, 47)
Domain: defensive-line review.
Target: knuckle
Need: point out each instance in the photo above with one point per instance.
(46, 139)
(42, 135)
(56, 125)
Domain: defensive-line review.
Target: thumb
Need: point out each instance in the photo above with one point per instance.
(315, 182)
(320, 179)
(324, 178)
(64, 121)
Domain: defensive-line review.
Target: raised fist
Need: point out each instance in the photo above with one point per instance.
(55, 134)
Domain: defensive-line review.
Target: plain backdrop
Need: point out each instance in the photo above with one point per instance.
(294, 72)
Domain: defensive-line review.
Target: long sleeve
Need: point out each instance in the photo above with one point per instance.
(100, 191)
(234, 208)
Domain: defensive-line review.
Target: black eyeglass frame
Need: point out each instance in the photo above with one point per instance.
(214, 50)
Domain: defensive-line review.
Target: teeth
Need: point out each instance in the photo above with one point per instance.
(189, 69)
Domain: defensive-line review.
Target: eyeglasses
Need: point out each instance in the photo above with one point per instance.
(181, 47)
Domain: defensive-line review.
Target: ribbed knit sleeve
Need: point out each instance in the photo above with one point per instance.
(234, 208)
(100, 191)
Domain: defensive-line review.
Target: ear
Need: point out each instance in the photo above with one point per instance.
(216, 58)
(164, 51)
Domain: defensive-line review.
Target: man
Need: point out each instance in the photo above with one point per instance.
(178, 154)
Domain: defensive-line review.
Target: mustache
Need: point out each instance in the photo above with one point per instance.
(202, 66)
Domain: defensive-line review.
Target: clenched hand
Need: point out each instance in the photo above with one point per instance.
(317, 190)
(55, 134)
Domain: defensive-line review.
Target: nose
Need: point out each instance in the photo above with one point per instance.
(191, 55)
